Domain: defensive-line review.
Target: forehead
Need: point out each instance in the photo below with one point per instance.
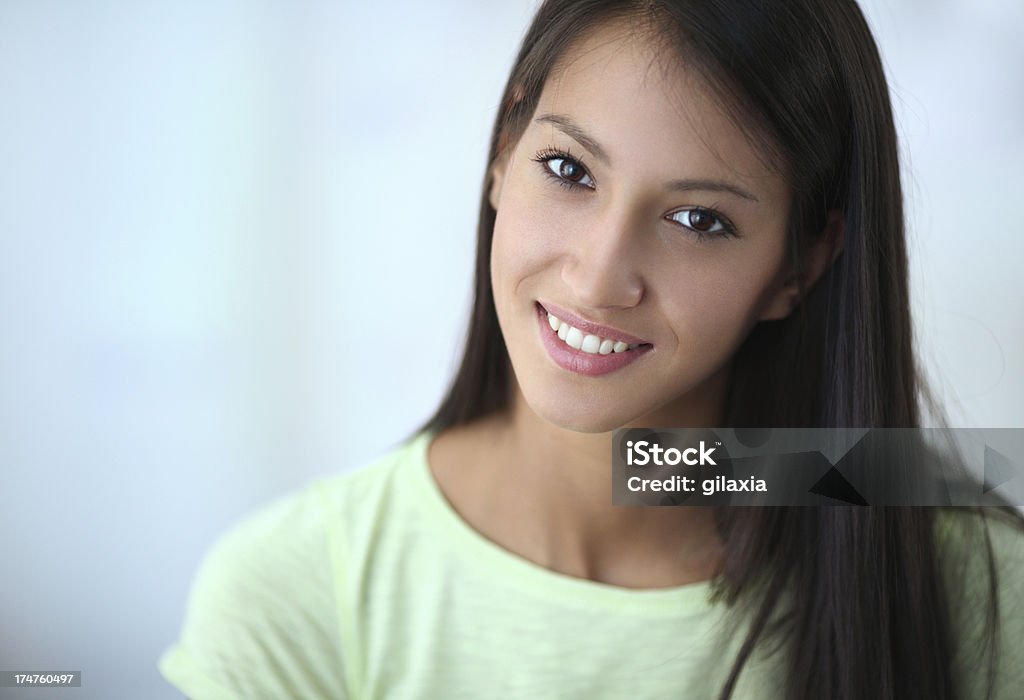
(640, 100)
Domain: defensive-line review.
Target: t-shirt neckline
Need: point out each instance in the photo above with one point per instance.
(685, 600)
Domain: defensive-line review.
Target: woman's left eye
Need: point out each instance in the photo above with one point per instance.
(702, 221)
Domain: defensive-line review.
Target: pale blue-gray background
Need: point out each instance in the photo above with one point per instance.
(235, 252)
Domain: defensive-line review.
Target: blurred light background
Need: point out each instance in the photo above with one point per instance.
(236, 241)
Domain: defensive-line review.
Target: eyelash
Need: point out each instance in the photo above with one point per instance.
(728, 230)
(547, 155)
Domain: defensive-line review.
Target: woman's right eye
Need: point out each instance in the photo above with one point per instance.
(565, 170)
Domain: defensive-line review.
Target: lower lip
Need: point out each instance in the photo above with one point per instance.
(579, 362)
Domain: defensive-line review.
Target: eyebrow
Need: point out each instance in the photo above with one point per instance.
(574, 131)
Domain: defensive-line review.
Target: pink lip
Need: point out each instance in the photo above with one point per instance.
(585, 363)
(589, 326)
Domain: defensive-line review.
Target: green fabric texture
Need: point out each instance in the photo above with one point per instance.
(369, 585)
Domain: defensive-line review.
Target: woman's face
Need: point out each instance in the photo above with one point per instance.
(635, 213)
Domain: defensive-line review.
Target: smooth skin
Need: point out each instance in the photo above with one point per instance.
(615, 203)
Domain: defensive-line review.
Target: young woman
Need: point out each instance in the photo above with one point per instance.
(691, 217)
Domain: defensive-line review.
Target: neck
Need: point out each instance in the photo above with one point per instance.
(546, 493)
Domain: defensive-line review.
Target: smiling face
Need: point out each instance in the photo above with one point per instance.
(633, 210)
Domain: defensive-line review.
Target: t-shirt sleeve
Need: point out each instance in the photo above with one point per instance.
(970, 593)
(261, 618)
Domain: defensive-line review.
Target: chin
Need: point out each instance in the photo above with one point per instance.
(577, 416)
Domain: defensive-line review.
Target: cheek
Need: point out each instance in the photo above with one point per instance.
(718, 299)
(527, 238)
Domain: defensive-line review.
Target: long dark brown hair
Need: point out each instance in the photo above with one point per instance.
(803, 79)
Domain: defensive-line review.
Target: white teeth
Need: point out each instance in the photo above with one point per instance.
(574, 339)
(588, 343)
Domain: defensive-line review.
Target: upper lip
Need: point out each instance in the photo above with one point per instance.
(590, 327)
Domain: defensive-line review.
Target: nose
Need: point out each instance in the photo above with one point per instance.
(603, 268)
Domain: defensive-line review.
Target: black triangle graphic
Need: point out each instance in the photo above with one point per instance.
(834, 485)
(998, 469)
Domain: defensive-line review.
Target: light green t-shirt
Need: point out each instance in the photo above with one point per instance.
(370, 585)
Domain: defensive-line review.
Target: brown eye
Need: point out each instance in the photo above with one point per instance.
(568, 171)
(703, 221)
(571, 171)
